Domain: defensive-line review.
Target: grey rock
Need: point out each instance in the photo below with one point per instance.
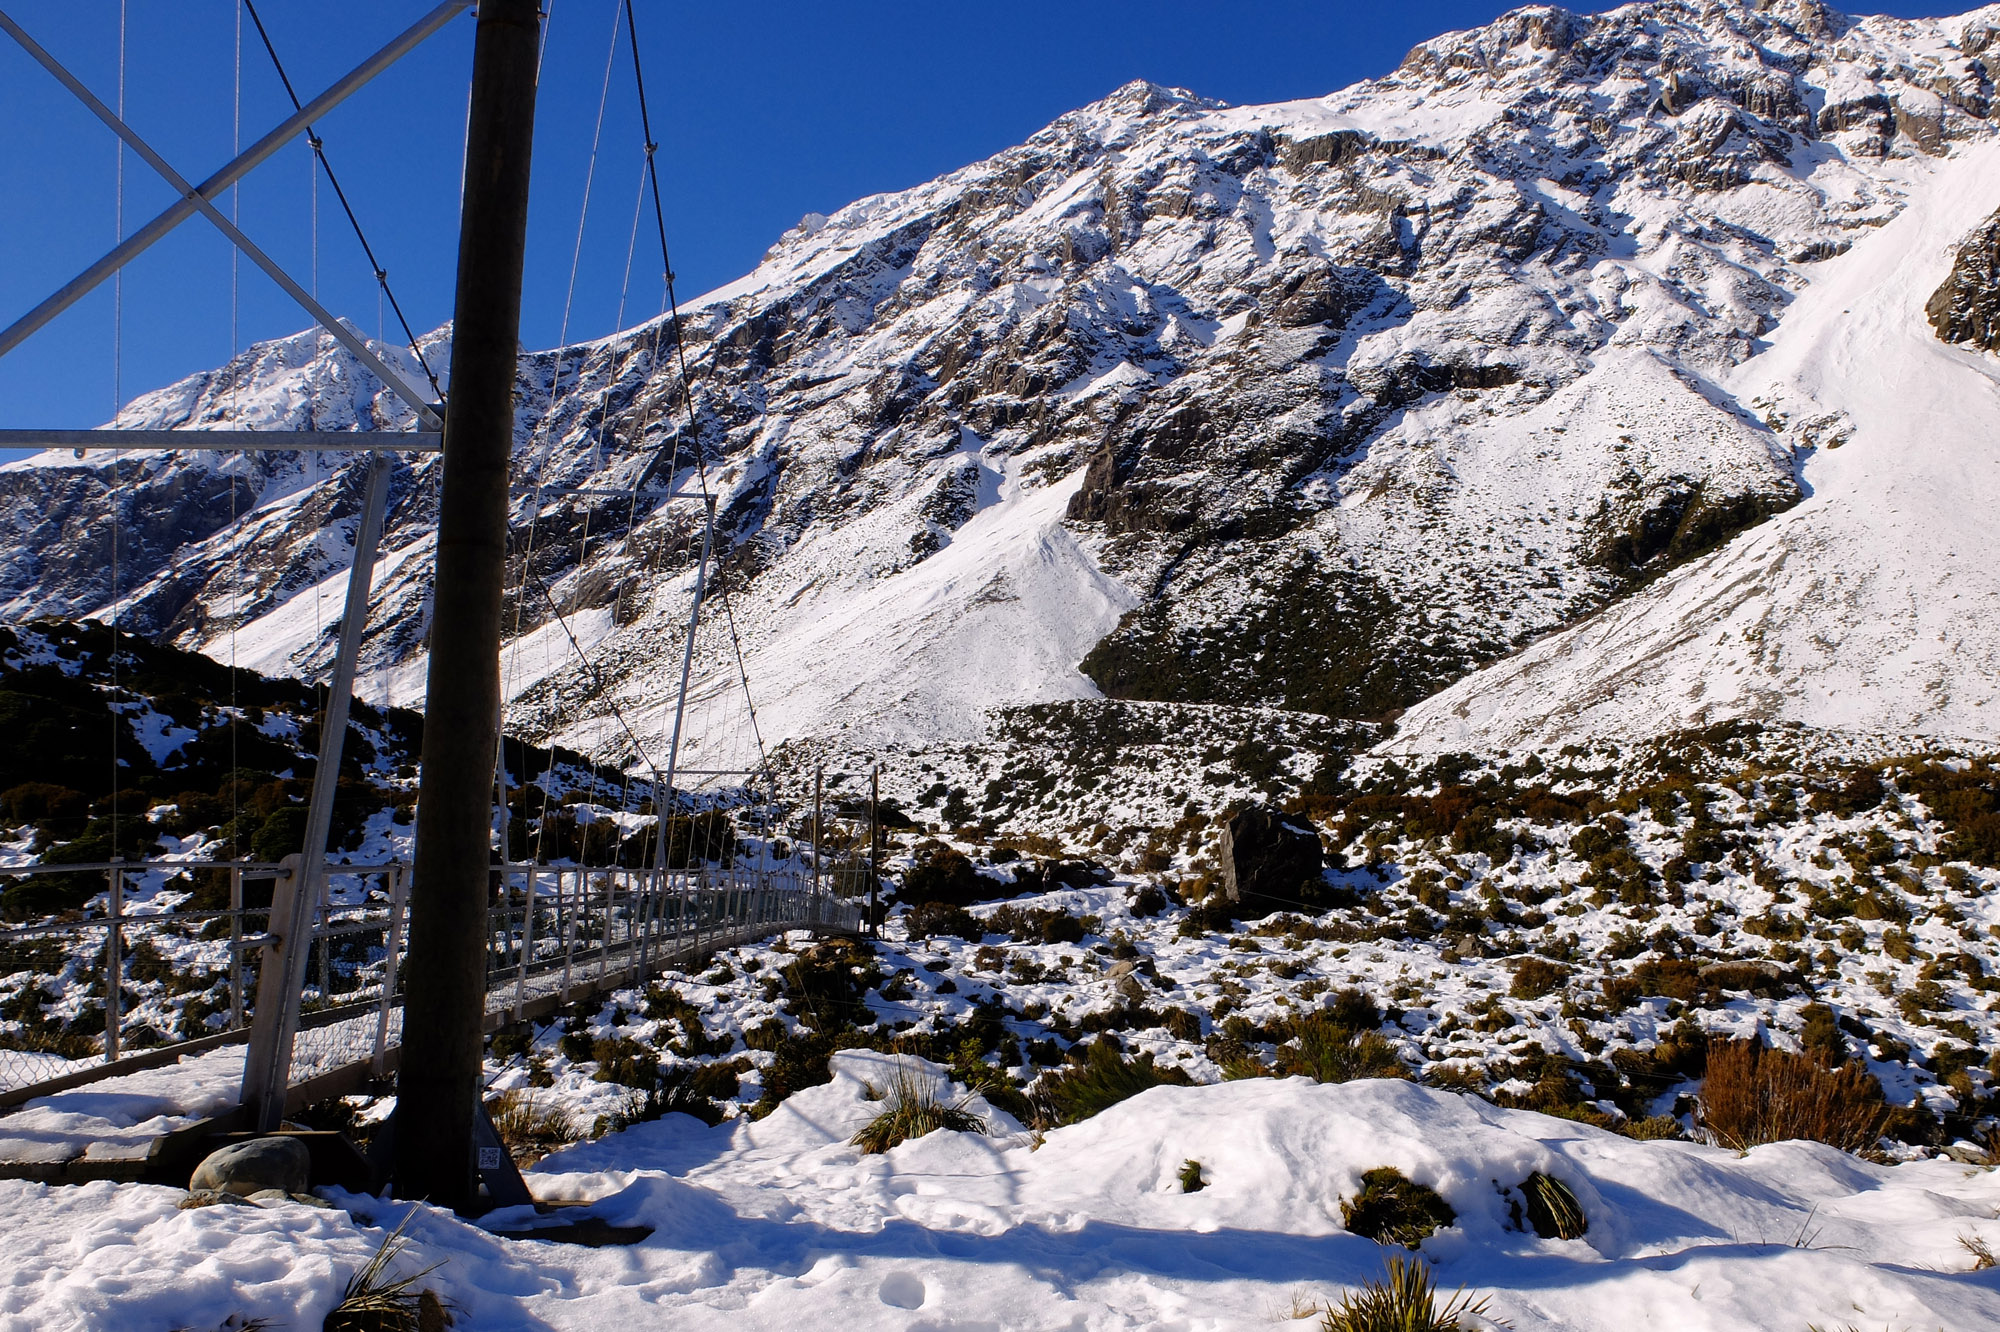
(253, 1167)
(1966, 307)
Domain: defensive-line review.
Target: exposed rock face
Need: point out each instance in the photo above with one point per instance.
(1316, 405)
(1966, 306)
(1270, 863)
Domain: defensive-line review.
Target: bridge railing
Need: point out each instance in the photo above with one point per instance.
(187, 957)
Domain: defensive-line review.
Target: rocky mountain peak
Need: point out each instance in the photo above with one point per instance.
(1313, 406)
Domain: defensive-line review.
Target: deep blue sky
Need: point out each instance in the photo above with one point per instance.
(764, 112)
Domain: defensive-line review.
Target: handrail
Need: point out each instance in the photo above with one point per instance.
(555, 933)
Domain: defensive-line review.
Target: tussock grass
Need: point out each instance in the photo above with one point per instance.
(914, 1108)
(1553, 1210)
(1405, 1299)
(530, 1132)
(1755, 1095)
(1327, 1050)
(1103, 1080)
(375, 1301)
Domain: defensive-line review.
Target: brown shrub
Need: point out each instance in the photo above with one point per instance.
(1756, 1095)
(1537, 976)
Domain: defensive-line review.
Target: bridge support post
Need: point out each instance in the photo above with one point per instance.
(438, 1083)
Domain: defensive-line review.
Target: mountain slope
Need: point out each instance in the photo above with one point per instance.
(1869, 607)
(1313, 406)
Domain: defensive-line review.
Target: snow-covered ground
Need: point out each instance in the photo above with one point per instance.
(783, 1224)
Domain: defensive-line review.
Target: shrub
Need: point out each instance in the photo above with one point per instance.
(1326, 1050)
(1392, 1209)
(1190, 1177)
(1671, 978)
(1755, 1095)
(1103, 1080)
(684, 1091)
(1036, 925)
(797, 1062)
(1819, 1033)
(914, 1110)
(941, 874)
(826, 986)
(1553, 1210)
(1537, 976)
(947, 918)
(1214, 914)
(1404, 1300)
(1653, 1128)
(623, 1060)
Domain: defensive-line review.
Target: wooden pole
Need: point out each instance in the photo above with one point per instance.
(438, 1084)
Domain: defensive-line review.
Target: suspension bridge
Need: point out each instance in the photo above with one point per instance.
(362, 971)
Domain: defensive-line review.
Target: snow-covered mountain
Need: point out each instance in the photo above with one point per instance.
(1870, 606)
(1317, 406)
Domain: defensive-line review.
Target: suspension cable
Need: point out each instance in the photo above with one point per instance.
(680, 352)
(319, 153)
(562, 340)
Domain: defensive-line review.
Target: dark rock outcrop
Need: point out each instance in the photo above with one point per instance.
(1270, 863)
(1966, 308)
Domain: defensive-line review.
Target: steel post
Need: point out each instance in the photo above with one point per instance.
(114, 965)
(235, 947)
(399, 891)
(296, 897)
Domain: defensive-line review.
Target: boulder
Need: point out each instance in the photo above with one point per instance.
(246, 1168)
(1271, 863)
